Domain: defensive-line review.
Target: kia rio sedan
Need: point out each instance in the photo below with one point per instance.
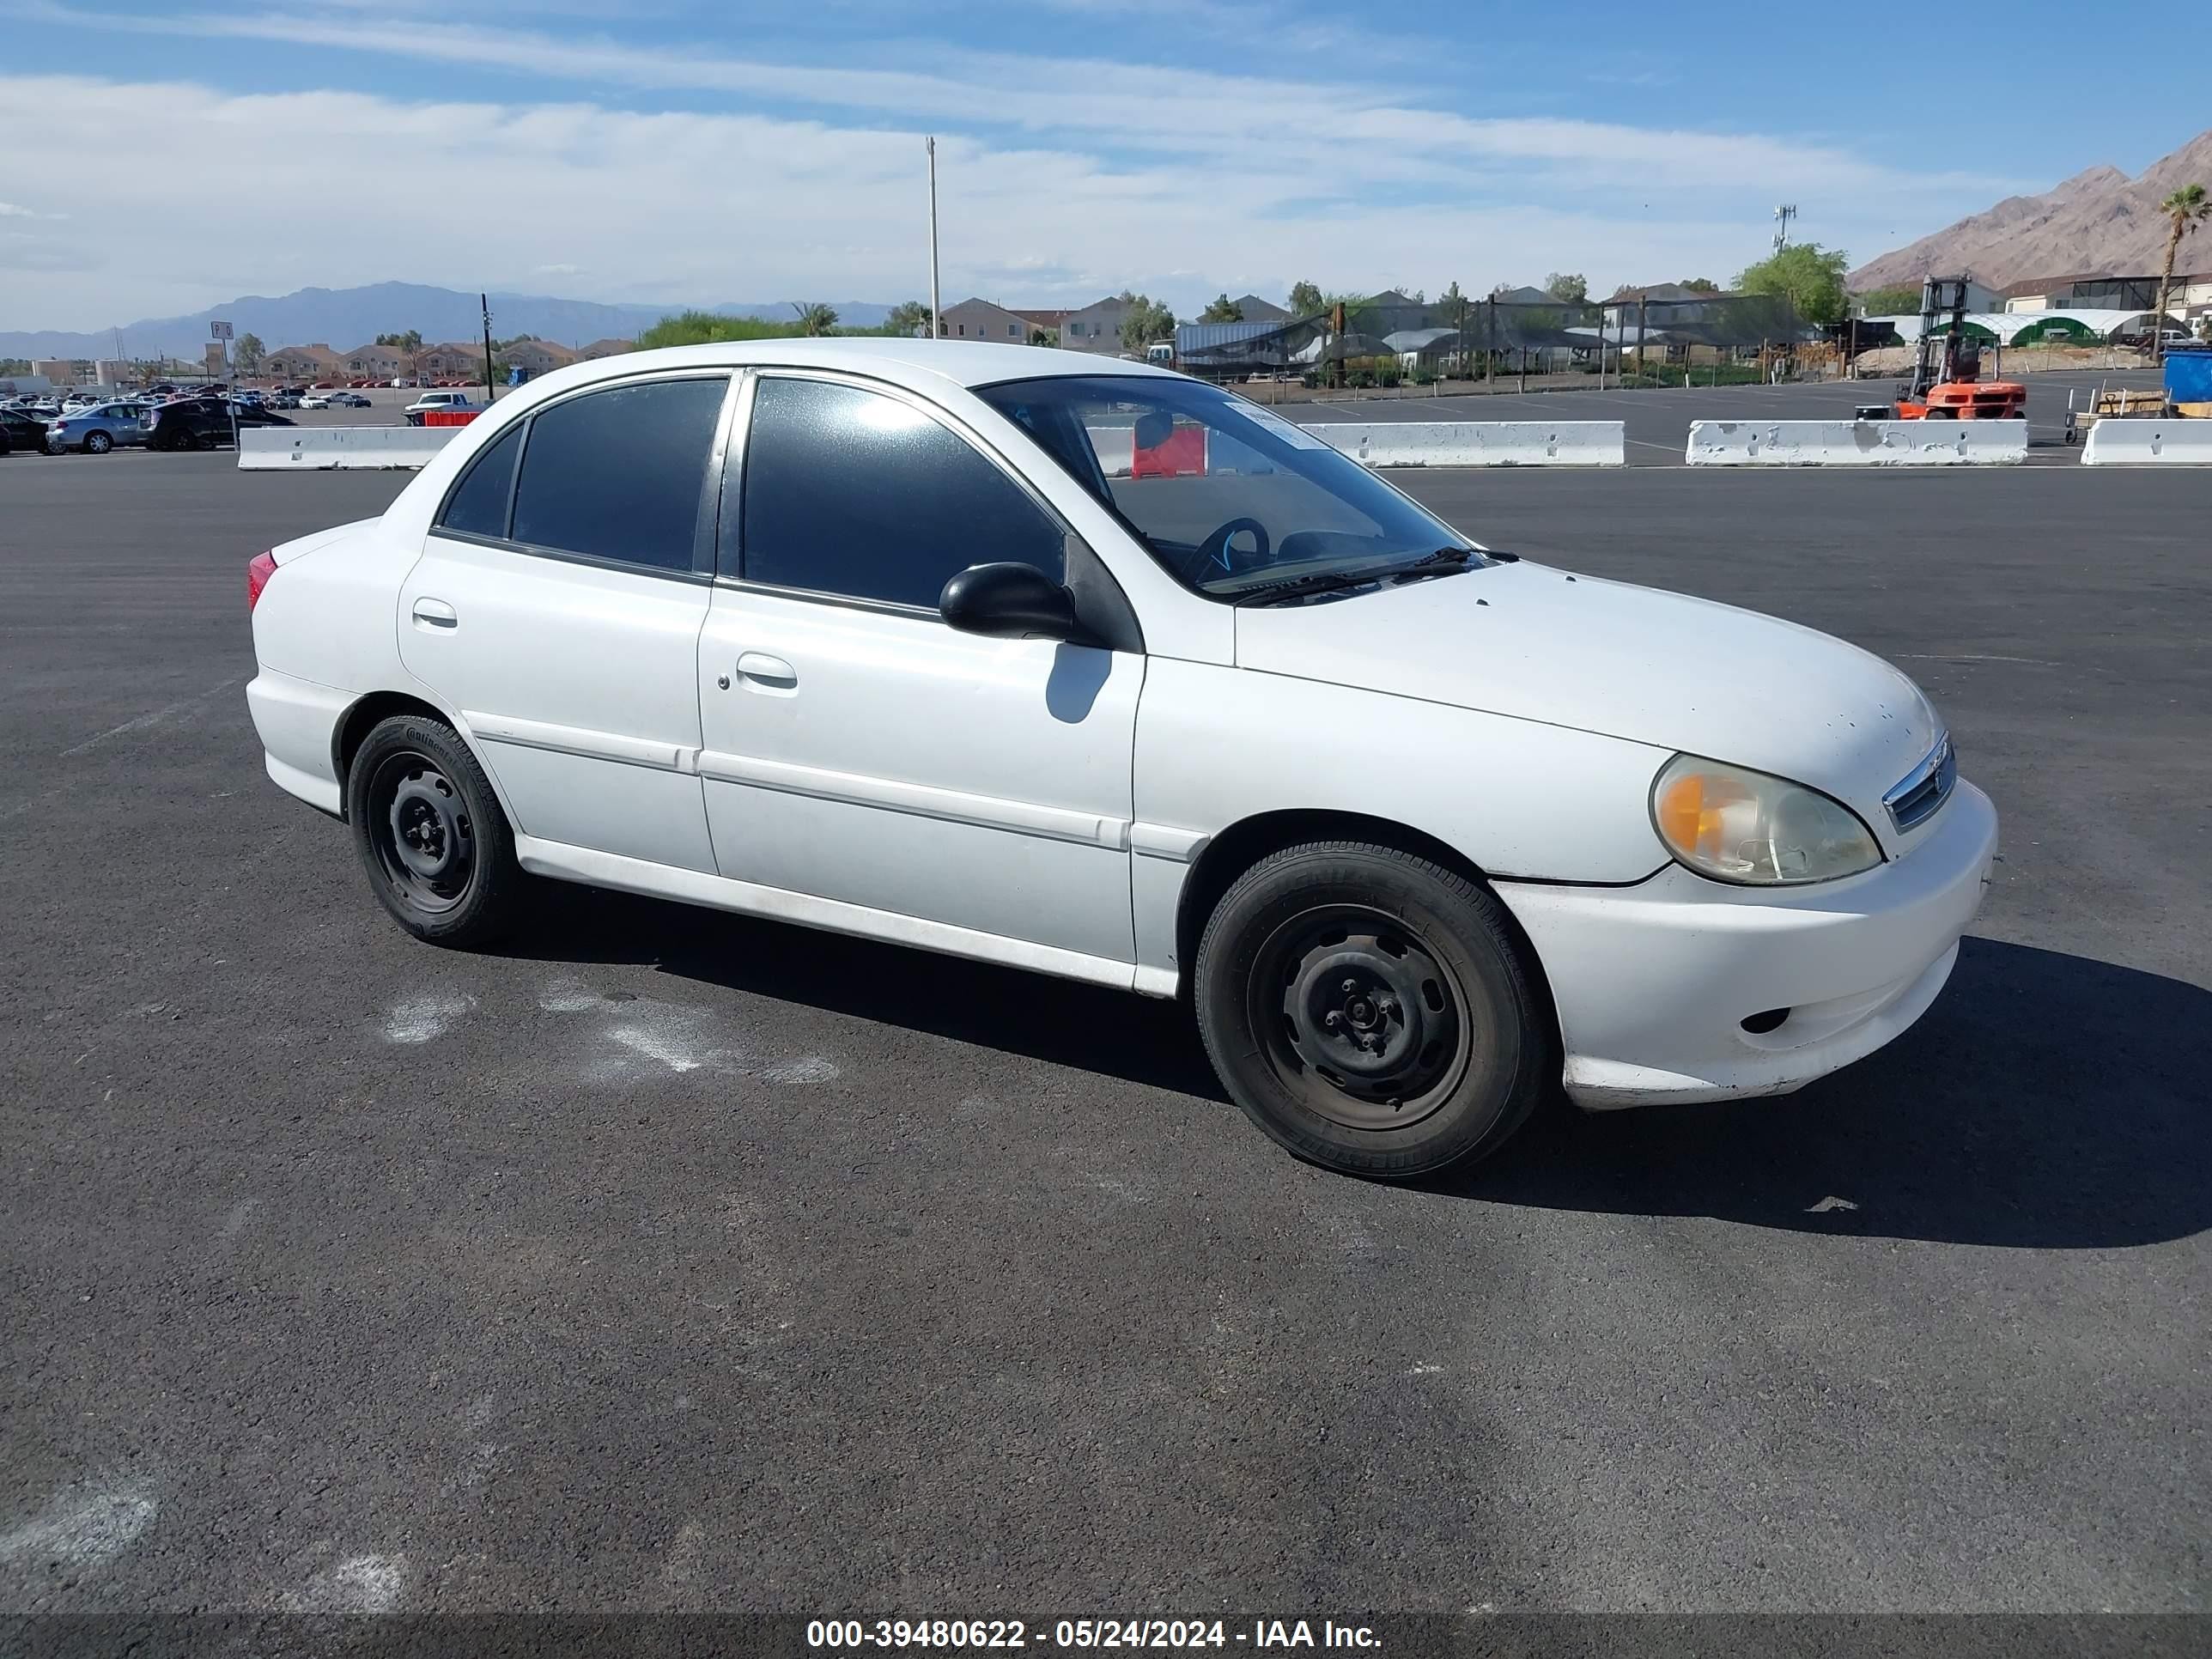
(1091, 669)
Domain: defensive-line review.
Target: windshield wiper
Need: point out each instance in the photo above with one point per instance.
(1297, 587)
(1444, 562)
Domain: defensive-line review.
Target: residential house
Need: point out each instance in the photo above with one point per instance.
(979, 319)
(1095, 327)
(1049, 321)
(536, 357)
(307, 362)
(377, 363)
(452, 360)
(598, 349)
(1251, 308)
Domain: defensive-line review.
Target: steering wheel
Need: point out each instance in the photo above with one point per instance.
(1214, 549)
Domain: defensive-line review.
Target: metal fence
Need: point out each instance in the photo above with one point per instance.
(1503, 344)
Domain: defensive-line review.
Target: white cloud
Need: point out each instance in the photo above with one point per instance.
(336, 188)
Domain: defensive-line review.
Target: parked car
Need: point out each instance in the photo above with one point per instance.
(349, 400)
(283, 399)
(204, 423)
(19, 430)
(97, 428)
(314, 400)
(1423, 829)
(444, 402)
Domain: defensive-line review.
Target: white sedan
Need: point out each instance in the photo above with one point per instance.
(1085, 667)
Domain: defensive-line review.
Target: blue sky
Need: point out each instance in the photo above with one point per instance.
(673, 151)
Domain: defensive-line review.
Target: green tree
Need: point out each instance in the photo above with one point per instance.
(1040, 336)
(1145, 321)
(710, 328)
(907, 319)
(410, 342)
(1305, 299)
(246, 351)
(1812, 275)
(1568, 287)
(1221, 309)
(1898, 299)
(1699, 285)
(2185, 209)
(814, 317)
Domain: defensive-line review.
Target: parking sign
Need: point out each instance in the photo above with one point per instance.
(219, 331)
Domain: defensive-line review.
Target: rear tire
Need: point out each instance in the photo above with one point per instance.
(430, 834)
(98, 443)
(1371, 1009)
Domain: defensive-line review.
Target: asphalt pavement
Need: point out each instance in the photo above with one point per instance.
(670, 1259)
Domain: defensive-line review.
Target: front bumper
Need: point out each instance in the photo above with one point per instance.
(1652, 983)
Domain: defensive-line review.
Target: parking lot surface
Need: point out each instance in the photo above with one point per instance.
(666, 1258)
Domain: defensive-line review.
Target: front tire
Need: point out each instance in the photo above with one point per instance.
(1371, 1009)
(429, 831)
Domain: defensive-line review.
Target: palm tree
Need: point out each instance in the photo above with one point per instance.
(815, 318)
(2188, 207)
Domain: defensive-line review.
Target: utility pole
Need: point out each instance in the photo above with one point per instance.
(929, 144)
(1782, 216)
(484, 299)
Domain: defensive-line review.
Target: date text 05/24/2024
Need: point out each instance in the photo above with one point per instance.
(1162, 1633)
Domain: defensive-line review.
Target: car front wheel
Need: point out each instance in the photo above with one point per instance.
(430, 833)
(98, 443)
(1372, 1010)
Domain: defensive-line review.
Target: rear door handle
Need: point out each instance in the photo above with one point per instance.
(436, 613)
(767, 673)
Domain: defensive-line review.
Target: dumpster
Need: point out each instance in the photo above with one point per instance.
(2189, 379)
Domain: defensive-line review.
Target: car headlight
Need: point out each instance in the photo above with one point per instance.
(1735, 824)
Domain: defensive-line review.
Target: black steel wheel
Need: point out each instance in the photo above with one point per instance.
(1358, 1016)
(1371, 1009)
(429, 831)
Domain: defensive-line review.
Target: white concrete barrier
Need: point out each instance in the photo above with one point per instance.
(1116, 448)
(2161, 442)
(1857, 443)
(1477, 443)
(320, 448)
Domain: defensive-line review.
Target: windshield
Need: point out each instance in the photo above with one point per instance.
(1228, 495)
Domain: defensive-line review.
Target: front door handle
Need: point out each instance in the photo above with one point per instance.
(767, 673)
(436, 613)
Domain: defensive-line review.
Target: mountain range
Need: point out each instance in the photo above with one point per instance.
(344, 318)
(2098, 221)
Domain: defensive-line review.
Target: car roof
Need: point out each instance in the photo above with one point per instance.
(916, 364)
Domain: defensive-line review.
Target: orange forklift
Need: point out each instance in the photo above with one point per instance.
(1947, 382)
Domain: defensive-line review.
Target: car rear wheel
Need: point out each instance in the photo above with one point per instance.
(1371, 1009)
(98, 443)
(430, 833)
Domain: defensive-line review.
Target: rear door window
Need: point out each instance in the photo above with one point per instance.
(618, 475)
(478, 505)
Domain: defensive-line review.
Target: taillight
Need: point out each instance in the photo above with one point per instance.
(259, 570)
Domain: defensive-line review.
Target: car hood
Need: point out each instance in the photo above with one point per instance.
(1535, 643)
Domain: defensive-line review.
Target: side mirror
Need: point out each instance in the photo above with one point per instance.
(1008, 602)
(1154, 430)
